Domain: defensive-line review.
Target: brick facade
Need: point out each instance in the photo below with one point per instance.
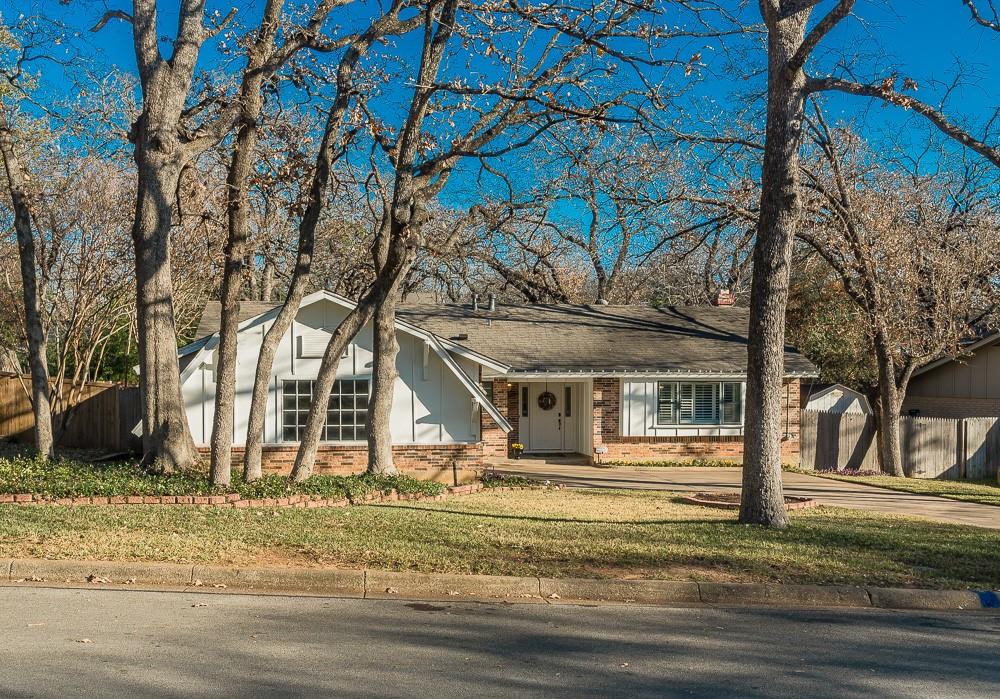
(447, 463)
(606, 426)
(496, 444)
(607, 432)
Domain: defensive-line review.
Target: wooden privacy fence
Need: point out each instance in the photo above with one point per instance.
(932, 447)
(102, 417)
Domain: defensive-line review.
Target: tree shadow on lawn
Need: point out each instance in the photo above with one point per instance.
(537, 518)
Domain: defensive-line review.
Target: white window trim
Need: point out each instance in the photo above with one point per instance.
(699, 428)
(279, 412)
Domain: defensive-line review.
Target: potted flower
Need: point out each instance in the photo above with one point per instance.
(517, 447)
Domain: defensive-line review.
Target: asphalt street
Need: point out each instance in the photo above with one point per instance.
(105, 643)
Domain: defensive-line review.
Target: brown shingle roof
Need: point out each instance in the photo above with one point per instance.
(536, 338)
(567, 338)
(211, 317)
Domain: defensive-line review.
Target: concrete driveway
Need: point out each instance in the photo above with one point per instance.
(824, 490)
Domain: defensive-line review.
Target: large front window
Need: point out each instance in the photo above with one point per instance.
(699, 403)
(345, 415)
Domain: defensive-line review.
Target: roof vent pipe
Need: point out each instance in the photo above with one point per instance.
(493, 302)
(475, 302)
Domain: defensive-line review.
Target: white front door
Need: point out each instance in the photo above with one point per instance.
(546, 413)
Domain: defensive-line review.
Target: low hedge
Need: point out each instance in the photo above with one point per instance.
(66, 478)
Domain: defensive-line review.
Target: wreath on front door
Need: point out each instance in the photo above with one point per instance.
(547, 400)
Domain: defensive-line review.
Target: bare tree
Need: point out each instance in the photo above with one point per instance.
(791, 42)
(37, 346)
(916, 253)
(450, 119)
(11, 93)
(337, 131)
(263, 58)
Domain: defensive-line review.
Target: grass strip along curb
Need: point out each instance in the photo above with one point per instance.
(377, 584)
(237, 500)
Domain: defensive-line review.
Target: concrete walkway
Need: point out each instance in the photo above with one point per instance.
(824, 490)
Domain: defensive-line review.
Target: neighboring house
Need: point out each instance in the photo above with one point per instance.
(837, 398)
(965, 386)
(626, 382)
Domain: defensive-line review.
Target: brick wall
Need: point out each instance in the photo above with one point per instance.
(440, 462)
(496, 444)
(607, 431)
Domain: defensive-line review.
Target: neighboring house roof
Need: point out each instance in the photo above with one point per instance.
(968, 349)
(567, 339)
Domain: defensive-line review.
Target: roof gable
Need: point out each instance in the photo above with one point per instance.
(697, 340)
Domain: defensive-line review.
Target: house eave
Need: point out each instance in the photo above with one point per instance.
(563, 374)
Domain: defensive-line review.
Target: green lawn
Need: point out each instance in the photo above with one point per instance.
(985, 492)
(569, 533)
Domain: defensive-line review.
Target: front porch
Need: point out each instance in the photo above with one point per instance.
(607, 418)
(552, 420)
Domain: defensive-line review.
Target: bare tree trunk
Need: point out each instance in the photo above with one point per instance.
(762, 498)
(166, 439)
(300, 282)
(267, 281)
(37, 346)
(305, 458)
(238, 206)
(384, 374)
(890, 403)
(888, 431)
(332, 139)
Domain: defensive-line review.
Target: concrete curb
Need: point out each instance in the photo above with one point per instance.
(379, 584)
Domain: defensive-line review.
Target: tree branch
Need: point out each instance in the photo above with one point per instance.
(886, 92)
(110, 15)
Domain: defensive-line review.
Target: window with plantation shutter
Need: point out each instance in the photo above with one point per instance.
(665, 412)
(699, 403)
(732, 403)
(706, 403)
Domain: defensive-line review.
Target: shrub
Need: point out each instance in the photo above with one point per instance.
(65, 478)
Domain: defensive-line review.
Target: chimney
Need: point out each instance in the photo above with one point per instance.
(493, 302)
(723, 297)
(475, 302)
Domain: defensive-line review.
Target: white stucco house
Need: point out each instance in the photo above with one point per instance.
(627, 382)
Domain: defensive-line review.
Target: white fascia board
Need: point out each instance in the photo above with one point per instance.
(403, 325)
(473, 387)
(478, 358)
(692, 375)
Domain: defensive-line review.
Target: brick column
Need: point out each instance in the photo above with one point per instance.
(495, 443)
(607, 410)
(791, 418)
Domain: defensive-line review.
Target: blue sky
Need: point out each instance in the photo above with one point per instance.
(924, 38)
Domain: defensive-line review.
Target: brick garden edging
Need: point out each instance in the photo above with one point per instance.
(236, 500)
(792, 502)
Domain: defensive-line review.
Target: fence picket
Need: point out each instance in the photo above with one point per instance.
(932, 447)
